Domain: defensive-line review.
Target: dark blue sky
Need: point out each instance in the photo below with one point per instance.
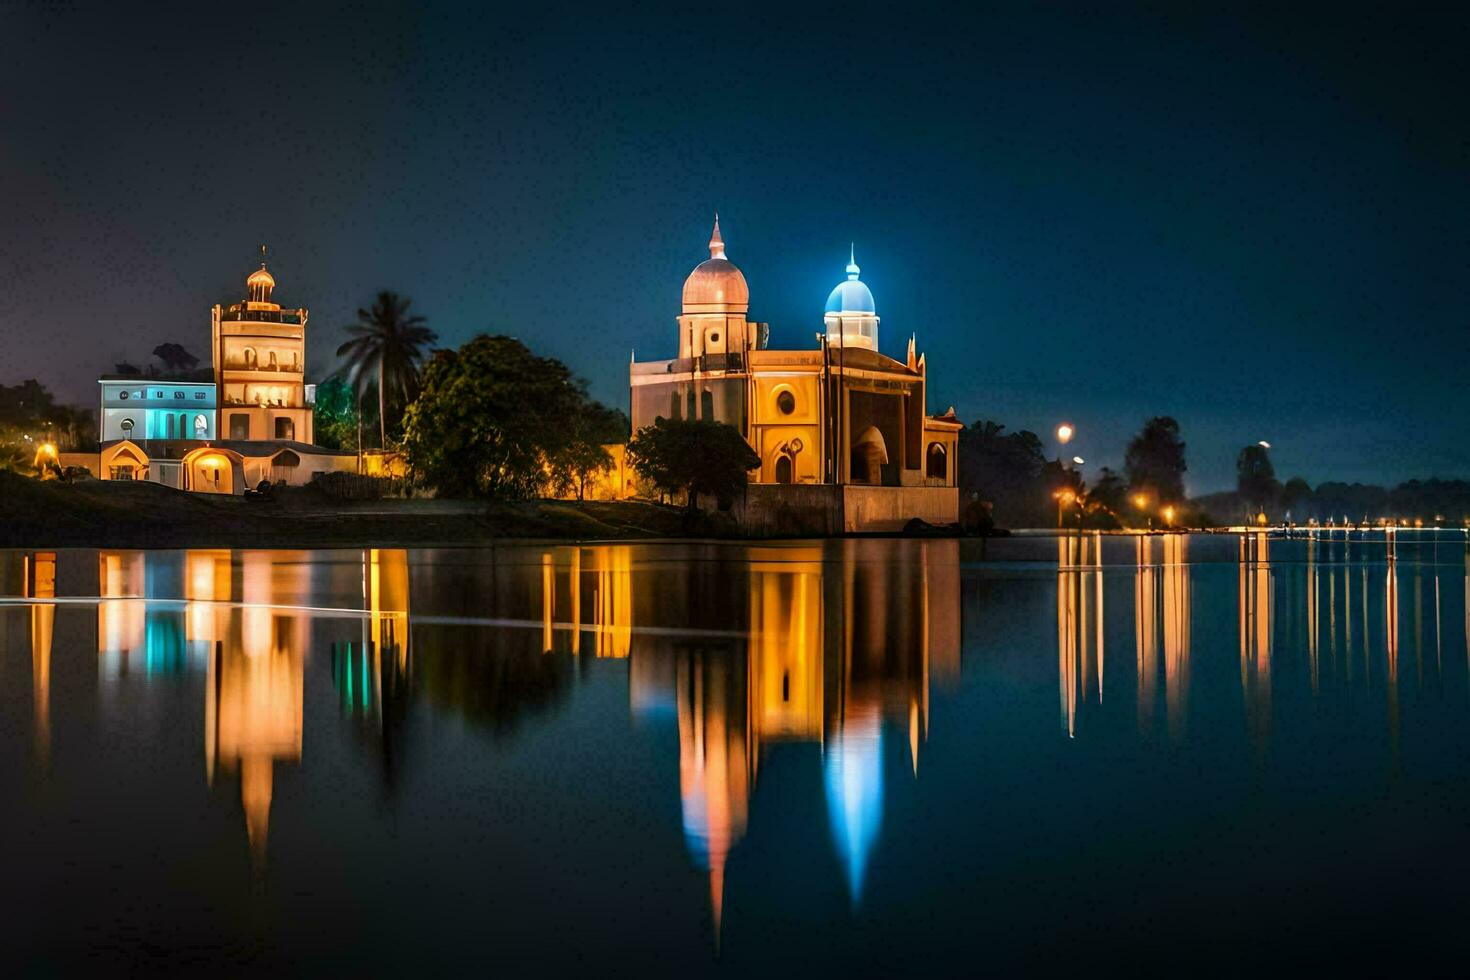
(1258, 222)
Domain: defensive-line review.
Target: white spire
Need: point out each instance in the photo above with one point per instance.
(716, 243)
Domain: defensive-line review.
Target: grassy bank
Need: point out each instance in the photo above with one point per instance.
(95, 513)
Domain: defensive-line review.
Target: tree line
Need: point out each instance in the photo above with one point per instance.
(1011, 474)
(492, 419)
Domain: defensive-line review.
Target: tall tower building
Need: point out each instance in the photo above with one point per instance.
(259, 365)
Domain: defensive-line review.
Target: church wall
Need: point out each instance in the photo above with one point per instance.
(890, 508)
(800, 442)
(720, 398)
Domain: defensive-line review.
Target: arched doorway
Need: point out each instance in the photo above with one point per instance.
(936, 464)
(124, 466)
(211, 471)
(785, 468)
(869, 456)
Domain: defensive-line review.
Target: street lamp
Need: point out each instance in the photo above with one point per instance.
(1065, 498)
(1168, 513)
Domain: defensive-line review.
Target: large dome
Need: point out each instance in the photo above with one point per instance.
(852, 296)
(716, 282)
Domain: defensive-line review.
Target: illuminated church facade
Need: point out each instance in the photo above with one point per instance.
(842, 431)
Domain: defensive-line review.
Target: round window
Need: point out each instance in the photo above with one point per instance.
(714, 338)
(126, 425)
(786, 402)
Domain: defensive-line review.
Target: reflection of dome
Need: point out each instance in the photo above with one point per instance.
(716, 281)
(851, 296)
(854, 777)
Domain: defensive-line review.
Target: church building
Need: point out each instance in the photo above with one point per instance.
(842, 431)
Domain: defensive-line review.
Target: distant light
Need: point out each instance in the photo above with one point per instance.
(1140, 501)
(1078, 460)
(1169, 515)
(1064, 433)
(1264, 444)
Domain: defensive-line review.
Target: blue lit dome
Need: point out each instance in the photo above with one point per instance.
(851, 296)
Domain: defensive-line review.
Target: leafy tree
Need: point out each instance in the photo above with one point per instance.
(593, 427)
(30, 415)
(1155, 461)
(490, 418)
(1296, 497)
(1005, 469)
(1109, 494)
(693, 456)
(1255, 478)
(175, 358)
(388, 347)
(337, 422)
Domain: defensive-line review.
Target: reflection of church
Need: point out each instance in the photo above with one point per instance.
(844, 417)
(833, 653)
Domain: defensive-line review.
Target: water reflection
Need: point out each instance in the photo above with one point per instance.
(1080, 659)
(831, 644)
(728, 654)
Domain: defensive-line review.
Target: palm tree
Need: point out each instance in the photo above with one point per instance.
(388, 343)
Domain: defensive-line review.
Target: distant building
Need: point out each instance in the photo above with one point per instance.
(252, 423)
(843, 420)
(137, 407)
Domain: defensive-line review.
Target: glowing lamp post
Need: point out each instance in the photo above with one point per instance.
(1140, 503)
(1065, 498)
(1168, 515)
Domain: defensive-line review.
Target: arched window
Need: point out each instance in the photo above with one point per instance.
(937, 463)
(126, 425)
(784, 468)
(271, 361)
(706, 404)
(201, 427)
(250, 357)
(170, 428)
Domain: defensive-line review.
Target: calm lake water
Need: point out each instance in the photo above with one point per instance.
(1163, 754)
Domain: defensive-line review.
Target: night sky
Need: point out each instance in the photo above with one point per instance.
(1258, 225)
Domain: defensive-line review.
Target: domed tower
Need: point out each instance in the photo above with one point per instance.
(851, 318)
(716, 300)
(259, 365)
